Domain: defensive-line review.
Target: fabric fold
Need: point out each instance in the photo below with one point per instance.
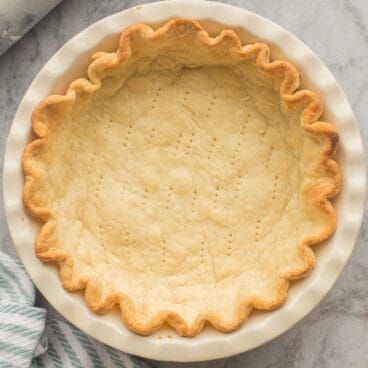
(29, 339)
(21, 323)
(19, 16)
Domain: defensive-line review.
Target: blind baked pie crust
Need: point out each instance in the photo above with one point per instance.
(184, 181)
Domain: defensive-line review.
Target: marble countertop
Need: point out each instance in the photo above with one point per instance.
(335, 333)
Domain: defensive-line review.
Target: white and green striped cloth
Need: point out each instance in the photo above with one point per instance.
(29, 339)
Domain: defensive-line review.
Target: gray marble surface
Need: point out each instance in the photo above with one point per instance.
(335, 334)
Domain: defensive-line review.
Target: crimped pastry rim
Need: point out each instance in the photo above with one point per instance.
(290, 94)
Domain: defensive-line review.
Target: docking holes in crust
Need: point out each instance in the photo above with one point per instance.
(184, 181)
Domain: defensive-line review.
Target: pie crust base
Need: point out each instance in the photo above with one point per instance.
(185, 181)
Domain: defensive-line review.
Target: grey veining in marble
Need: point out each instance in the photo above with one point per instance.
(335, 334)
(18, 16)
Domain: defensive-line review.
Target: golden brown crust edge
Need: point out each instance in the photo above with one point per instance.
(319, 195)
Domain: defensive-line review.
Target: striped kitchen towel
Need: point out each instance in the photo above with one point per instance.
(29, 339)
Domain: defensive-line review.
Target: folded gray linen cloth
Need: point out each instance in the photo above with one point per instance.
(18, 16)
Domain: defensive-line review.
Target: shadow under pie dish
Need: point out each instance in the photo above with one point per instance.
(184, 181)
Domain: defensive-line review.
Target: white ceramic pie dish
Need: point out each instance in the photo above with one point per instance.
(71, 62)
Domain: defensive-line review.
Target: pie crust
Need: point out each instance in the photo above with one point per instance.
(184, 181)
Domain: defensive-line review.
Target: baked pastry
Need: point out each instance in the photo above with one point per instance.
(185, 181)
